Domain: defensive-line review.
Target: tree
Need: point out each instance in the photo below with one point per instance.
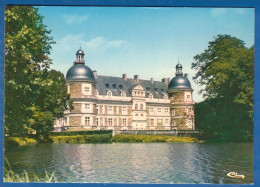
(226, 70)
(34, 96)
(51, 102)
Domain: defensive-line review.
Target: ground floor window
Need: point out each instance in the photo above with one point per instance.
(124, 121)
(65, 121)
(152, 122)
(110, 121)
(87, 120)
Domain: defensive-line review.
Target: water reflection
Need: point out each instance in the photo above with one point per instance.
(137, 162)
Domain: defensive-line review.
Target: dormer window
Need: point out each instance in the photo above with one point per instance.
(96, 92)
(162, 90)
(120, 87)
(107, 86)
(109, 93)
(156, 89)
(123, 94)
(114, 86)
(148, 88)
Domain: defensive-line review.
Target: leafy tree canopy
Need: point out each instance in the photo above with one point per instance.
(226, 71)
(34, 95)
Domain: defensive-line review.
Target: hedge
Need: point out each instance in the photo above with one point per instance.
(151, 138)
(75, 133)
(99, 138)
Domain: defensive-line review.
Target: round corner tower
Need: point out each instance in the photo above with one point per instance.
(81, 84)
(80, 78)
(181, 101)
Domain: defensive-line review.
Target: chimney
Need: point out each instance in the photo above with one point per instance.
(168, 80)
(95, 73)
(152, 80)
(136, 77)
(164, 80)
(124, 77)
(186, 75)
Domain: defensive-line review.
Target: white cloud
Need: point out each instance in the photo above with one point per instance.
(71, 19)
(100, 44)
(218, 11)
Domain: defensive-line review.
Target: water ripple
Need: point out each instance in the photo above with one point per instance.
(137, 162)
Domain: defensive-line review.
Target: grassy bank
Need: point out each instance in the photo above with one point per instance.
(151, 138)
(16, 141)
(100, 138)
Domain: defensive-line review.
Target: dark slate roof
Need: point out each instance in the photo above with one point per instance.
(80, 72)
(128, 85)
(179, 82)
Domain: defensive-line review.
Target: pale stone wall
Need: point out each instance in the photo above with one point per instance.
(75, 121)
(126, 116)
(77, 108)
(75, 90)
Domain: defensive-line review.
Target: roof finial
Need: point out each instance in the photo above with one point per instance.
(79, 45)
(178, 61)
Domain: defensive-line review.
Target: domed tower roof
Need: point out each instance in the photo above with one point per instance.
(179, 81)
(79, 71)
(80, 52)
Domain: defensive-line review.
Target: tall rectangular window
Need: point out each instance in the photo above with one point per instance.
(97, 121)
(159, 110)
(87, 120)
(124, 109)
(152, 122)
(124, 121)
(110, 121)
(110, 108)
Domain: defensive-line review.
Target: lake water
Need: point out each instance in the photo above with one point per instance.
(136, 162)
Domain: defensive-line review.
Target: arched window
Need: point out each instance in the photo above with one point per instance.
(136, 106)
(141, 107)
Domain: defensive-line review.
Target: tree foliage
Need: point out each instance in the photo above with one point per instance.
(34, 96)
(226, 70)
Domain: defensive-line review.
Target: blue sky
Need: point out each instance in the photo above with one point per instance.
(141, 40)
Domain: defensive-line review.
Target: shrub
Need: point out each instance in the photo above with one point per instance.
(75, 133)
(150, 138)
(15, 141)
(99, 138)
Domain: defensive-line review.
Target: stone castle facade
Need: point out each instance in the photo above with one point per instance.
(121, 103)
